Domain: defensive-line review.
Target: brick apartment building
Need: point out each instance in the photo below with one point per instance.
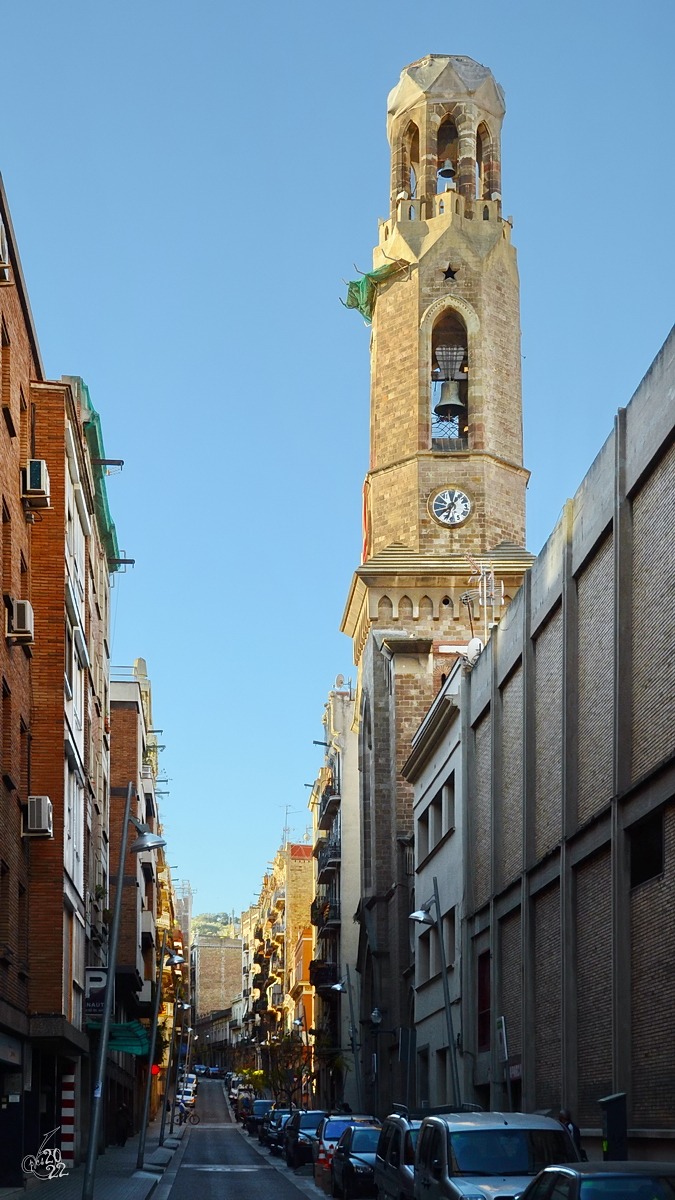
(57, 545)
(134, 759)
(283, 915)
(59, 549)
(20, 365)
(217, 972)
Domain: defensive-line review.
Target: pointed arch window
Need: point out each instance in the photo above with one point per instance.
(447, 153)
(449, 383)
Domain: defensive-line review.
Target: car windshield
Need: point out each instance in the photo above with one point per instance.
(508, 1151)
(332, 1130)
(365, 1139)
(632, 1187)
(310, 1120)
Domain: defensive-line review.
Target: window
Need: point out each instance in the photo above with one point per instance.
(449, 937)
(483, 1013)
(449, 369)
(646, 849)
(395, 1149)
(437, 819)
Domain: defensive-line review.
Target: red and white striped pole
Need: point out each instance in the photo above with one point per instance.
(68, 1120)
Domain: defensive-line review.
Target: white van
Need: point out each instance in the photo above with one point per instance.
(476, 1156)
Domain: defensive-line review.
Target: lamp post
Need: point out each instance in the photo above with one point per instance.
(151, 1054)
(147, 841)
(424, 917)
(182, 1007)
(340, 987)
(175, 959)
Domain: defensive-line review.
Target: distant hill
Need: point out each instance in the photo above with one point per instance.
(215, 925)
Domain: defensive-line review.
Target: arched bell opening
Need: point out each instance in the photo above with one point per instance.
(447, 153)
(411, 159)
(487, 164)
(449, 383)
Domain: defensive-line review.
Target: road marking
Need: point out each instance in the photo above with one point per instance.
(198, 1167)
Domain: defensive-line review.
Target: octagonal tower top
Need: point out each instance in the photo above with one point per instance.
(444, 120)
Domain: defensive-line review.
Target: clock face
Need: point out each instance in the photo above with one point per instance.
(450, 507)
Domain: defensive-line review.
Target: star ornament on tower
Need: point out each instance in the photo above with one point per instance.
(448, 272)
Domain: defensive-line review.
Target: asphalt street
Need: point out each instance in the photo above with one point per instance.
(217, 1163)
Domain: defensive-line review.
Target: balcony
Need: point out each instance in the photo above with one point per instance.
(329, 859)
(328, 806)
(260, 1006)
(324, 911)
(322, 975)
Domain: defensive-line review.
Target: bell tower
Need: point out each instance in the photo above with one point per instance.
(446, 392)
(446, 471)
(444, 498)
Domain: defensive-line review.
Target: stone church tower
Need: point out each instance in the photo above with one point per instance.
(445, 495)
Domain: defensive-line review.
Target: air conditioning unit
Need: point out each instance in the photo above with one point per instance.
(36, 483)
(21, 622)
(40, 819)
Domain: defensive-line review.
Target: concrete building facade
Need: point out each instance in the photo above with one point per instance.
(563, 737)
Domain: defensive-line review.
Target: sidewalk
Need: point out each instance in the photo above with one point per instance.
(116, 1174)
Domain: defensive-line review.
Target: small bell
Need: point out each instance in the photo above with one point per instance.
(447, 171)
(450, 406)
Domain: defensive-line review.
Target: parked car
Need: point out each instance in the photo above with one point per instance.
(298, 1135)
(353, 1163)
(459, 1154)
(604, 1181)
(395, 1158)
(252, 1120)
(275, 1132)
(330, 1131)
(267, 1121)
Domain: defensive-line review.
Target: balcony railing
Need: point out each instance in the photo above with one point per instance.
(329, 858)
(328, 806)
(324, 912)
(322, 975)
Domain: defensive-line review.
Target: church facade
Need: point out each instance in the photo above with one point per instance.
(444, 499)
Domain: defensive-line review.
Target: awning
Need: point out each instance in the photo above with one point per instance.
(128, 1038)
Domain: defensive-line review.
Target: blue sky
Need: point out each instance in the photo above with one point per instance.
(189, 183)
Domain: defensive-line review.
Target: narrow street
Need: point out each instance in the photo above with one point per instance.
(218, 1164)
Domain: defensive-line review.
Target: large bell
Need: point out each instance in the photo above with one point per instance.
(450, 405)
(447, 171)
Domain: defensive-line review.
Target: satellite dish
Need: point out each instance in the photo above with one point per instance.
(474, 650)
(339, 681)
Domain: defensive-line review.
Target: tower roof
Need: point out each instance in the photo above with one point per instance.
(445, 77)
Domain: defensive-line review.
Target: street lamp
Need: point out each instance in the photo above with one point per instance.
(340, 987)
(151, 1054)
(423, 917)
(100, 1071)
